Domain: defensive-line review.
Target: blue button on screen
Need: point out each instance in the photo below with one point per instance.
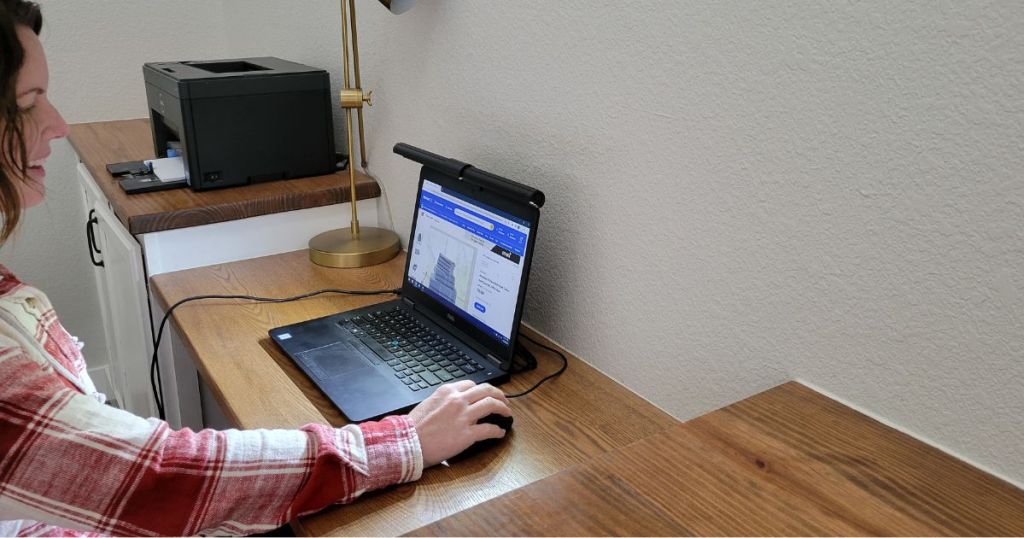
(480, 307)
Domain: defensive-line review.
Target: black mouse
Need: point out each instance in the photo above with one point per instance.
(500, 421)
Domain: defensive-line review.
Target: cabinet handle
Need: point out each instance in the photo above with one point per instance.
(90, 236)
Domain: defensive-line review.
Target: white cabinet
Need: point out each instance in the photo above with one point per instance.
(130, 316)
(121, 282)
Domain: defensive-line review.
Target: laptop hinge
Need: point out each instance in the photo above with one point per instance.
(494, 359)
(407, 301)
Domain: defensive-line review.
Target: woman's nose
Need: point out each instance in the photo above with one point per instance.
(56, 126)
(61, 128)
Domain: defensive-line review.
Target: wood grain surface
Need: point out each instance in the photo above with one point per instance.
(101, 143)
(569, 420)
(788, 461)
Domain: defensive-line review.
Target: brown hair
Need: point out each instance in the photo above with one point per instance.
(13, 157)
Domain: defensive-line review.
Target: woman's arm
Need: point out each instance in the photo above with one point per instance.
(68, 460)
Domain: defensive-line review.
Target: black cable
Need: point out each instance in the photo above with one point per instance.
(523, 360)
(565, 364)
(158, 392)
(152, 334)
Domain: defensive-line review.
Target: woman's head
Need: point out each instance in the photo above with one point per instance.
(28, 121)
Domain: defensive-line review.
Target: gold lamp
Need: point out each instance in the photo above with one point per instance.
(355, 246)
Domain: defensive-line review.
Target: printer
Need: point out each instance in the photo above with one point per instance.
(242, 121)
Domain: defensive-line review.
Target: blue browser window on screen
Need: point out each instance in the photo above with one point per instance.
(469, 257)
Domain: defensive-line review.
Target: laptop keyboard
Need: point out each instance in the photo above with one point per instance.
(419, 356)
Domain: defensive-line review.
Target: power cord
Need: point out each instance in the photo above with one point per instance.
(384, 194)
(154, 370)
(530, 358)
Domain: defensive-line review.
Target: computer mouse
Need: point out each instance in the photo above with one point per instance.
(500, 421)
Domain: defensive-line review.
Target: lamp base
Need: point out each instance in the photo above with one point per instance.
(339, 248)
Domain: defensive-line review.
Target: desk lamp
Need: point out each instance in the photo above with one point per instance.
(355, 246)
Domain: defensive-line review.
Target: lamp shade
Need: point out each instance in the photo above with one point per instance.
(398, 6)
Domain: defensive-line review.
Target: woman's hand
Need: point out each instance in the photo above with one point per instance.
(446, 421)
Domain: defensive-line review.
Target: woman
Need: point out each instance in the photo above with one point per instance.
(69, 463)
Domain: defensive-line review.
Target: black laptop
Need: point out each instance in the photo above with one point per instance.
(462, 298)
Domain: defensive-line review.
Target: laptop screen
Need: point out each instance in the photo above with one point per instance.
(469, 256)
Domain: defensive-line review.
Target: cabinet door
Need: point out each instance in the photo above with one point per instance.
(124, 291)
(90, 192)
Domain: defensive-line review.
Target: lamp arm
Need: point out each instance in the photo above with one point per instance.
(344, 46)
(355, 41)
(348, 112)
(359, 85)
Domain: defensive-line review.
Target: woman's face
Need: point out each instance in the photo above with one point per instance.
(42, 123)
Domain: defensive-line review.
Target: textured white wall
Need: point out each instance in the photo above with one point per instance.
(96, 49)
(739, 194)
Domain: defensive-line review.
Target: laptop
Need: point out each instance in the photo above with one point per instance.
(463, 290)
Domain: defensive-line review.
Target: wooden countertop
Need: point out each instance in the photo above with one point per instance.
(785, 462)
(101, 143)
(586, 455)
(569, 420)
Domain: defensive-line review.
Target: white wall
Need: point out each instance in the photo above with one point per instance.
(738, 193)
(96, 50)
(741, 193)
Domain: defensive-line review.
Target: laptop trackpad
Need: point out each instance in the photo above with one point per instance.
(333, 360)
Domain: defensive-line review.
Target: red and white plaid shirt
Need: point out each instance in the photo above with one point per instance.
(70, 465)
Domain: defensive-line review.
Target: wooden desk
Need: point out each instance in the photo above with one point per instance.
(788, 461)
(588, 456)
(568, 421)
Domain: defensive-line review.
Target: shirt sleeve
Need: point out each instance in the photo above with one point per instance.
(68, 460)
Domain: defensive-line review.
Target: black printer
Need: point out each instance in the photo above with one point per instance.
(242, 121)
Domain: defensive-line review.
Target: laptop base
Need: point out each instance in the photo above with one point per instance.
(359, 376)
